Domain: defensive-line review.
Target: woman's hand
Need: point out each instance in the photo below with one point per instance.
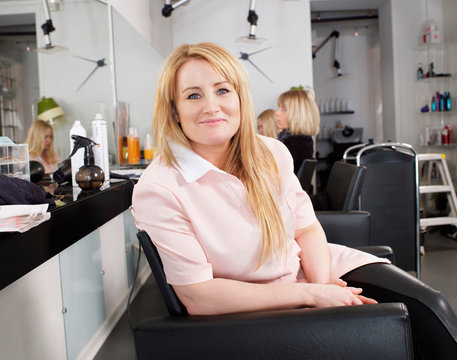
(330, 296)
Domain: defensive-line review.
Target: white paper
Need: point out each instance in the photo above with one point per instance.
(22, 217)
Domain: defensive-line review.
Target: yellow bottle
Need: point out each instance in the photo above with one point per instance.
(133, 145)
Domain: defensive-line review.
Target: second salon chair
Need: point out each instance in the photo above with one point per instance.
(380, 331)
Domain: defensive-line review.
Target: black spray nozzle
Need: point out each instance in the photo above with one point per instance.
(86, 143)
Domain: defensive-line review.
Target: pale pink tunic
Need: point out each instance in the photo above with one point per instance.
(199, 218)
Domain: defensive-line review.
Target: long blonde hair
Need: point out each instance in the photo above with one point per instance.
(268, 119)
(248, 157)
(35, 140)
(304, 117)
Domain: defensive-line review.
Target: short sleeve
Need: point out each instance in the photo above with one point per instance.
(157, 211)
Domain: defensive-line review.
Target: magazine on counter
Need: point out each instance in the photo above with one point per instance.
(22, 217)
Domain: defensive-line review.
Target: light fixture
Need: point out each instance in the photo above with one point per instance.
(48, 27)
(168, 7)
(356, 33)
(252, 19)
(48, 110)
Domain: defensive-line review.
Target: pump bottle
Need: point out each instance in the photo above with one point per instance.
(77, 160)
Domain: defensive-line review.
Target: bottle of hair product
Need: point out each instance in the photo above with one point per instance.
(433, 104)
(448, 102)
(420, 72)
(148, 149)
(100, 136)
(77, 160)
(133, 146)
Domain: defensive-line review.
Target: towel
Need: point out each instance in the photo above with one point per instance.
(15, 191)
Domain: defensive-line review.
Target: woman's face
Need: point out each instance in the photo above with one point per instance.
(208, 107)
(282, 117)
(48, 138)
(260, 127)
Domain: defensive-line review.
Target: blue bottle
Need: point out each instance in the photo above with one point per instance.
(433, 104)
(448, 102)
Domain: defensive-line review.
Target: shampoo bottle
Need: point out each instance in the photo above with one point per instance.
(77, 160)
(148, 149)
(100, 137)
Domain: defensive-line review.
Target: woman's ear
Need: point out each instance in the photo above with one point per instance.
(175, 114)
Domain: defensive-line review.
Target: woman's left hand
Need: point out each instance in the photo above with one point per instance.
(355, 291)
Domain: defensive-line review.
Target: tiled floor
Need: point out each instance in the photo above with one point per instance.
(439, 270)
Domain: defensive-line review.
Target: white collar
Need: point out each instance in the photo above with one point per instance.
(191, 165)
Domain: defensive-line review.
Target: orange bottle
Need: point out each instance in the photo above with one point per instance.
(133, 146)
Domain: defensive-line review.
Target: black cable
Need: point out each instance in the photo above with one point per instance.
(133, 286)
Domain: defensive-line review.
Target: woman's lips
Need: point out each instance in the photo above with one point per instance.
(212, 121)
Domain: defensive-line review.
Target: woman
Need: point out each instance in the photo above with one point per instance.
(266, 124)
(40, 139)
(232, 225)
(298, 120)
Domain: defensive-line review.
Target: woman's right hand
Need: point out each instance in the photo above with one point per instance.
(328, 295)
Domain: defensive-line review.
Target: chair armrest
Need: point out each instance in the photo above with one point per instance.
(379, 251)
(380, 331)
(350, 228)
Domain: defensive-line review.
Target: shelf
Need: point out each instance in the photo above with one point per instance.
(338, 112)
(432, 47)
(435, 78)
(438, 113)
(439, 146)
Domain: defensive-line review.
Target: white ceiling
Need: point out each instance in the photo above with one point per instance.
(333, 5)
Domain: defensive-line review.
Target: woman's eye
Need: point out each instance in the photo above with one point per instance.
(193, 96)
(222, 91)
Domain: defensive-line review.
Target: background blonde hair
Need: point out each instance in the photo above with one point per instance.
(35, 140)
(304, 117)
(268, 119)
(248, 157)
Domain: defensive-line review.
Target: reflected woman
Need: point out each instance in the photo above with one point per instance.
(40, 139)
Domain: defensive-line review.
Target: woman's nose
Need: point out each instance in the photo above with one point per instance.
(211, 104)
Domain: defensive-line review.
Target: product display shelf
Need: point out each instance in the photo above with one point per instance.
(346, 112)
(437, 129)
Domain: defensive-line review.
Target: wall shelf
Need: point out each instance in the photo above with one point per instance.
(347, 112)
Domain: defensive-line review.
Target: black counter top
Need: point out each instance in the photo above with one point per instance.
(23, 252)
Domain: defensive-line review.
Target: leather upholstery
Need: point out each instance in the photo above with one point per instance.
(352, 228)
(372, 332)
(360, 332)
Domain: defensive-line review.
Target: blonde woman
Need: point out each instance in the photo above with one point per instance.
(234, 230)
(266, 124)
(40, 139)
(298, 120)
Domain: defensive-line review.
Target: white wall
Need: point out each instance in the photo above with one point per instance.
(284, 24)
(359, 57)
(146, 18)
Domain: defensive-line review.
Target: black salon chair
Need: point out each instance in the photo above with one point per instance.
(380, 331)
(342, 190)
(305, 173)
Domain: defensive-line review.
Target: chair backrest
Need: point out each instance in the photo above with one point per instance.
(305, 173)
(174, 305)
(344, 186)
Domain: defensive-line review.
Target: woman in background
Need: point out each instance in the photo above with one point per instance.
(298, 120)
(40, 139)
(266, 124)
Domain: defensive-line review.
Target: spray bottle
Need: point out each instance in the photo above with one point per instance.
(89, 176)
(100, 137)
